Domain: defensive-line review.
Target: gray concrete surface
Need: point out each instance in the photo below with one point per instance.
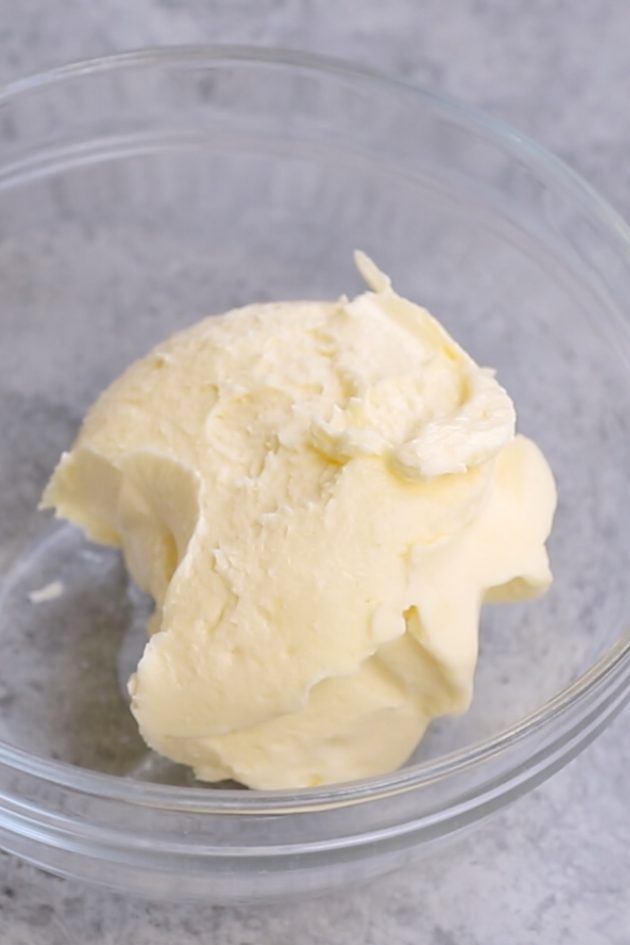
(555, 868)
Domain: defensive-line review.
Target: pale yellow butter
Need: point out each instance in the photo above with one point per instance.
(318, 496)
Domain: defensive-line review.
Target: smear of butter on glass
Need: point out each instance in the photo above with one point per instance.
(318, 496)
(44, 594)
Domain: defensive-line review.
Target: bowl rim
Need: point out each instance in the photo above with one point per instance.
(612, 665)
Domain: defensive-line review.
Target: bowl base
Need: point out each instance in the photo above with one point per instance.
(73, 629)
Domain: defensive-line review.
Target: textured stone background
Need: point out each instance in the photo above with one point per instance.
(555, 868)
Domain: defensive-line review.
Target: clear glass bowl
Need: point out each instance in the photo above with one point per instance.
(137, 194)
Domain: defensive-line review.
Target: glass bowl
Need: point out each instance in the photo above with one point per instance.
(143, 191)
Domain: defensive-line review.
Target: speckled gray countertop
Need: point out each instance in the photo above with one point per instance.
(554, 868)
